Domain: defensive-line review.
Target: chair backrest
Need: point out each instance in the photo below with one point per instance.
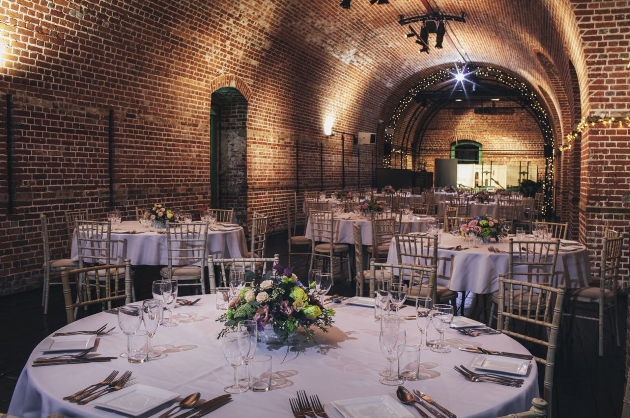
(612, 233)
(507, 210)
(258, 265)
(383, 231)
(187, 244)
(223, 215)
(450, 213)
(555, 229)
(311, 195)
(45, 239)
(103, 282)
(609, 263)
(416, 276)
(358, 252)
(258, 235)
(322, 226)
(523, 305)
(72, 216)
(94, 243)
(416, 248)
(533, 261)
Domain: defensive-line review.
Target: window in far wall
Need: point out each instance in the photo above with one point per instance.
(466, 152)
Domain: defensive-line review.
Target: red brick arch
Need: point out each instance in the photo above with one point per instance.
(231, 81)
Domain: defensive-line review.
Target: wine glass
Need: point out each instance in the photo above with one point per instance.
(169, 294)
(233, 344)
(237, 281)
(382, 297)
(151, 317)
(442, 318)
(249, 328)
(397, 294)
(324, 285)
(129, 320)
(392, 342)
(313, 278)
(507, 227)
(423, 315)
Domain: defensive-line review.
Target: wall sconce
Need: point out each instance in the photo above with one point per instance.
(328, 125)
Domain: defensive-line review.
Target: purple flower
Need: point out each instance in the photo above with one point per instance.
(285, 308)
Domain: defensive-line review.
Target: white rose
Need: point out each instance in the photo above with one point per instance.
(250, 296)
(266, 284)
(261, 297)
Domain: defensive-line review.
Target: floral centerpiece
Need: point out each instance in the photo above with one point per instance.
(485, 227)
(450, 189)
(160, 214)
(481, 197)
(371, 205)
(389, 189)
(280, 301)
(343, 195)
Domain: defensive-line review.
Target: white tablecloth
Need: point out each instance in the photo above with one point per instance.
(150, 248)
(344, 223)
(477, 269)
(343, 364)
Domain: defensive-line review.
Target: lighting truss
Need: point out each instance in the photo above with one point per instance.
(431, 23)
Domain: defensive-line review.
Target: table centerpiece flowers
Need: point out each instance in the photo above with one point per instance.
(450, 189)
(485, 227)
(481, 197)
(343, 195)
(280, 301)
(160, 214)
(371, 205)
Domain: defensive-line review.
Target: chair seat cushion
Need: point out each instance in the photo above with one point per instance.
(184, 271)
(337, 248)
(443, 292)
(590, 295)
(382, 249)
(300, 240)
(63, 262)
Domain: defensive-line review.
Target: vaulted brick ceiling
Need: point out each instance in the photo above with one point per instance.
(535, 41)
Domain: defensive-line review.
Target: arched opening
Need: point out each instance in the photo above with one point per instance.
(228, 152)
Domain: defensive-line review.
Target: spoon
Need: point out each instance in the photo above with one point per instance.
(407, 398)
(188, 402)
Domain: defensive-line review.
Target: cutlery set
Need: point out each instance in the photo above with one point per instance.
(186, 302)
(302, 407)
(488, 377)
(98, 332)
(475, 332)
(480, 350)
(420, 398)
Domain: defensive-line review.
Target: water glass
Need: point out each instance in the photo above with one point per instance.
(260, 373)
(151, 314)
(409, 363)
(392, 342)
(129, 320)
(313, 277)
(442, 318)
(138, 347)
(424, 306)
(169, 293)
(520, 233)
(324, 285)
(232, 345)
(237, 281)
(249, 328)
(397, 294)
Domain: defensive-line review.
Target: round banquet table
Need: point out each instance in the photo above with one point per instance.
(150, 248)
(477, 269)
(344, 221)
(343, 364)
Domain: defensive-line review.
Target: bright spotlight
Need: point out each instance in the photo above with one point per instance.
(460, 77)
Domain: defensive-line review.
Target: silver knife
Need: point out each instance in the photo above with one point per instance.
(498, 353)
(428, 399)
(70, 361)
(435, 412)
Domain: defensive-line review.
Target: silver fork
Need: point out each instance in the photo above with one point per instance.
(304, 405)
(93, 387)
(485, 379)
(496, 376)
(295, 408)
(77, 355)
(318, 407)
(113, 386)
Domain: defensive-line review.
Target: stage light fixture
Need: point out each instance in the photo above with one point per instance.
(431, 23)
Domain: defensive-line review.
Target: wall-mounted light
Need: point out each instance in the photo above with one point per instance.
(328, 125)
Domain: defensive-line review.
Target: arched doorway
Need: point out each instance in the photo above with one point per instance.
(228, 151)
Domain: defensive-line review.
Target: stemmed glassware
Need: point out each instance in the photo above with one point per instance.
(323, 286)
(442, 318)
(233, 345)
(392, 341)
(169, 294)
(507, 227)
(397, 294)
(129, 321)
(237, 281)
(151, 317)
(423, 315)
(313, 277)
(382, 298)
(249, 328)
